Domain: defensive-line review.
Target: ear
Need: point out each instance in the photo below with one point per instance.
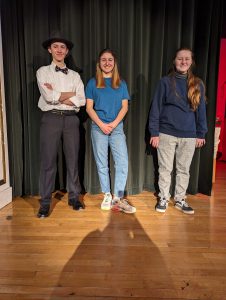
(67, 53)
(49, 50)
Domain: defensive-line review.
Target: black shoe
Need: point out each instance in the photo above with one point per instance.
(76, 204)
(183, 206)
(43, 211)
(162, 205)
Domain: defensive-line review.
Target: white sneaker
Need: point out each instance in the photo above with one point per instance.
(106, 203)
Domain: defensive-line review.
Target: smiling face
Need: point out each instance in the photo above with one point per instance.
(183, 61)
(107, 63)
(58, 51)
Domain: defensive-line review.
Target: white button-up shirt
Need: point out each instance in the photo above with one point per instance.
(60, 82)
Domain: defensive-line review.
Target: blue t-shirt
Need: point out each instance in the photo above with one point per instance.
(107, 101)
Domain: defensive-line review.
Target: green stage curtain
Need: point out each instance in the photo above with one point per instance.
(145, 35)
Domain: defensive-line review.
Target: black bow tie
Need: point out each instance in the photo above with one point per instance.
(65, 70)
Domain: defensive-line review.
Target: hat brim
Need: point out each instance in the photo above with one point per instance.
(46, 44)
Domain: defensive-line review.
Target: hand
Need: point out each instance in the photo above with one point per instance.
(154, 141)
(200, 143)
(113, 124)
(67, 102)
(49, 86)
(106, 128)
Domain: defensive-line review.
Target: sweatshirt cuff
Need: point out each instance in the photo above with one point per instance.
(154, 133)
(200, 135)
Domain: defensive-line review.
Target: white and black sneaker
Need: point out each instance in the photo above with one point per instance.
(183, 206)
(161, 205)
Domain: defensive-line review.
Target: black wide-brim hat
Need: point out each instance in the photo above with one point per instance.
(57, 36)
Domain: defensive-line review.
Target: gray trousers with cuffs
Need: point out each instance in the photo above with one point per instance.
(183, 150)
(53, 128)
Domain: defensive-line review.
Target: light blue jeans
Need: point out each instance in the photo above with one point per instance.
(117, 142)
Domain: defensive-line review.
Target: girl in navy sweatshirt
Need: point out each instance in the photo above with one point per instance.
(177, 124)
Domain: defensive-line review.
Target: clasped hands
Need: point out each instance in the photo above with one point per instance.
(107, 128)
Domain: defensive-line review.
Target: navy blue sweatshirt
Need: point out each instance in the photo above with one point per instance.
(171, 112)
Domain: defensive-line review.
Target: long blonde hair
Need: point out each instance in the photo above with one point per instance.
(193, 82)
(115, 79)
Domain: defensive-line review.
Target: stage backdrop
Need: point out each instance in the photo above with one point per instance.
(145, 35)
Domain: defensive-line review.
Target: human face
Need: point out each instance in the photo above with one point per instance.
(107, 63)
(183, 61)
(58, 51)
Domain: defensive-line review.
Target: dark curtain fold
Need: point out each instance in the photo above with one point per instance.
(145, 35)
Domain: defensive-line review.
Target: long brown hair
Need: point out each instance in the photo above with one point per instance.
(193, 82)
(115, 79)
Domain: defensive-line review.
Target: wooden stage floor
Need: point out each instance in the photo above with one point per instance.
(96, 255)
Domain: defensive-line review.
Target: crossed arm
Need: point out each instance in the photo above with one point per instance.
(64, 97)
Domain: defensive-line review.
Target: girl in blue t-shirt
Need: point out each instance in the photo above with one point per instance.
(107, 104)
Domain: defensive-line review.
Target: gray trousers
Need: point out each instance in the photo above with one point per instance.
(53, 128)
(182, 149)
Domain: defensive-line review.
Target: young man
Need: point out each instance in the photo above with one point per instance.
(62, 94)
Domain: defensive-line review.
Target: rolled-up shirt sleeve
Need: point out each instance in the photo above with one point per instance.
(50, 96)
(79, 99)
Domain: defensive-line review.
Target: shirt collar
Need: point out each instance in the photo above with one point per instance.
(53, 66)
